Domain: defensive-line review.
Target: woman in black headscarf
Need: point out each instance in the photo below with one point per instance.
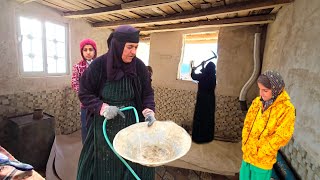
(203, 119)
(117, 78)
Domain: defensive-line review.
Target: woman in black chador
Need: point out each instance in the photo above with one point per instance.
(203, 119)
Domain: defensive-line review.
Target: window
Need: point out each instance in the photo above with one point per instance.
(144, 51)
(197, 48)
(43, 47)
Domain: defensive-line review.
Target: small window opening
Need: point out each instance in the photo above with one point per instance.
(197, 47)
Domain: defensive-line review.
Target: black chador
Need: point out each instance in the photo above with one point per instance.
(203, 119)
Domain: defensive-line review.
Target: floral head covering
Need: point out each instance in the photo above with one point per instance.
(275, 83)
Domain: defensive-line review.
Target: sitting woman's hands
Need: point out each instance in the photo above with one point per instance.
(109, 112)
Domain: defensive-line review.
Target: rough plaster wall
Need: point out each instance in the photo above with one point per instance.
(292, 48)
(10, 79)
(235, 64)
(165, 55)
(175, 99)
(235, 59)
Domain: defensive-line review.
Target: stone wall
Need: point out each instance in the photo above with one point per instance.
(172, 104)
(304, 164)
(63, 104)
(229, 118)
(175, 105)
(178, 106)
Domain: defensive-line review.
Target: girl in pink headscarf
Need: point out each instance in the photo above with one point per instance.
(88, 50)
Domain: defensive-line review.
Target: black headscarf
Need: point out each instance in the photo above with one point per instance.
(210, 69)
(116, 68)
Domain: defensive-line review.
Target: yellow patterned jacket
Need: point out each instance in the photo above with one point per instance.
(264, 133)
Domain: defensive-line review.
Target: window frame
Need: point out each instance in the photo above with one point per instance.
(146, 62)
(43, 21)
(182, 55)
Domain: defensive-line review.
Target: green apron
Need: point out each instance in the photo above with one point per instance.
(97, 161)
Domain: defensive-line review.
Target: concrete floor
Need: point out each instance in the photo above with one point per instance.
(203, 161)
(216, 157)
(174, 173)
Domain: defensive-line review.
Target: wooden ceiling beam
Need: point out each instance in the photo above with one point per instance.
(202, 36)
(201, 41)
(242, 21)
(199, 13)
(130, 6)
(143, 3)
(25, 1)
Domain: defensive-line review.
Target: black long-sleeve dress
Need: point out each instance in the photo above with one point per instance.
(204, 114)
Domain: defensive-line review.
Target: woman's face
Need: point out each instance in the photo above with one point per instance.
(88, 52)
(129, 52)
(265, 93)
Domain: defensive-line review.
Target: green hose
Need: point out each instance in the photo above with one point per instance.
(110, 145)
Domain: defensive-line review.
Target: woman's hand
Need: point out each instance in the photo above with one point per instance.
(146, 112)
(192, 64)
(149, 116)
(109, 112)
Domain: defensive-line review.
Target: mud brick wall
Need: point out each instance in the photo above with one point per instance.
(178, 106)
